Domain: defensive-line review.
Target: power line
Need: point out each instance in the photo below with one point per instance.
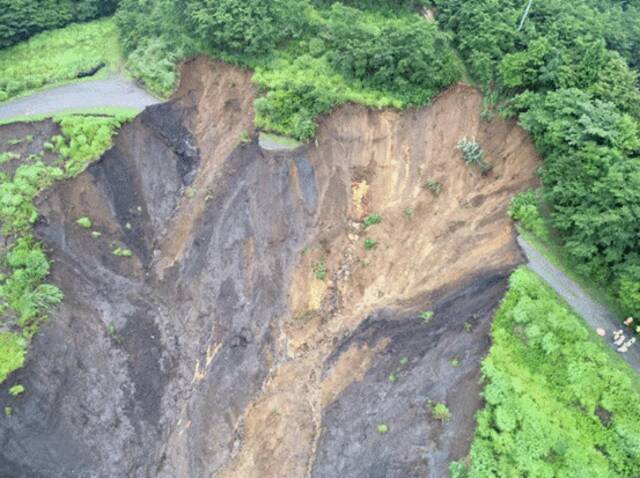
(524, 17)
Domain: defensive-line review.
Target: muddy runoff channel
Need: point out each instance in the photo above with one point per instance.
(216, 350)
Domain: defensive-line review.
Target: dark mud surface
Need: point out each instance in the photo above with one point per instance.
(422, 364)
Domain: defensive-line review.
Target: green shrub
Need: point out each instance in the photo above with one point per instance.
(433, 186)
(369, 244)
(383, 428)
(8, 156)
(427, 316)
(84, 222)
(473, 155)
(372, 219)
(441, 412)
(16, 390)
(122, 252)
(320, 270)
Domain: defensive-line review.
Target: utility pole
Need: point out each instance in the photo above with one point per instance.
(524, 17)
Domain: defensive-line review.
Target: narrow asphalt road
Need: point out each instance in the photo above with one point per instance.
(593, 313)
(114, 91)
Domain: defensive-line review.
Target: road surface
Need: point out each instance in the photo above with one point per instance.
(114, 91)
(594, 313)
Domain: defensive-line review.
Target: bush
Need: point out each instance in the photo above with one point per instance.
(473, 155)
(525, 207)
(12, 352)
(441, 412)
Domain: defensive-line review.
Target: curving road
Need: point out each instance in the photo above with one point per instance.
(593, 313)
(114, 91)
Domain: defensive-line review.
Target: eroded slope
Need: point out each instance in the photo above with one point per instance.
(214, 350)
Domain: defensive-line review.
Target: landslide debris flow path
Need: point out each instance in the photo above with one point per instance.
(114, 91)
(594, 313)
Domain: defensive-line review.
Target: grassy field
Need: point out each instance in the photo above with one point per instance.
(558, 402)
(54, 57)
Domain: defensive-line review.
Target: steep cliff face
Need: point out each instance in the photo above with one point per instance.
(215, 350)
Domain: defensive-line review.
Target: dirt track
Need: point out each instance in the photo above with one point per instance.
(115, 91)
(214, 351)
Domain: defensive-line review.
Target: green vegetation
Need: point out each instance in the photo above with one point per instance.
(8, 411)
(12, 352)
(426, 316)
(57, 56)
(372, 219)
(557, 400)
(393, 378)
(16, 390)
(308, 56)
(122, 252)
(383, 428)
(473, 155)
(570, 76)
(408, 213)
(369, 244)
(24, 139)
(320, 270)
(84, 222)
(244, 137)
(84, 139)
(25, 297)
(284, 141)
(441, 412)
(433, 186)
(21, 19)
(8, 156)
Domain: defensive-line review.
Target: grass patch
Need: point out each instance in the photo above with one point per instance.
(558, 401)
(58, 56)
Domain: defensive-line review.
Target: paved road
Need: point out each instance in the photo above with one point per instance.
(114, 91)
(594, 313)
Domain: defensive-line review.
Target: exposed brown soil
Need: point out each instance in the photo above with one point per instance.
(230, 358)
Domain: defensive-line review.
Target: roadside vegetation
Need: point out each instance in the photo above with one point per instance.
(570, 76)
(25, 295)
(308, 56)
(58, 56)
(557, 400)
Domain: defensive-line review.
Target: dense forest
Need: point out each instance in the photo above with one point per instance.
(20, 19)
